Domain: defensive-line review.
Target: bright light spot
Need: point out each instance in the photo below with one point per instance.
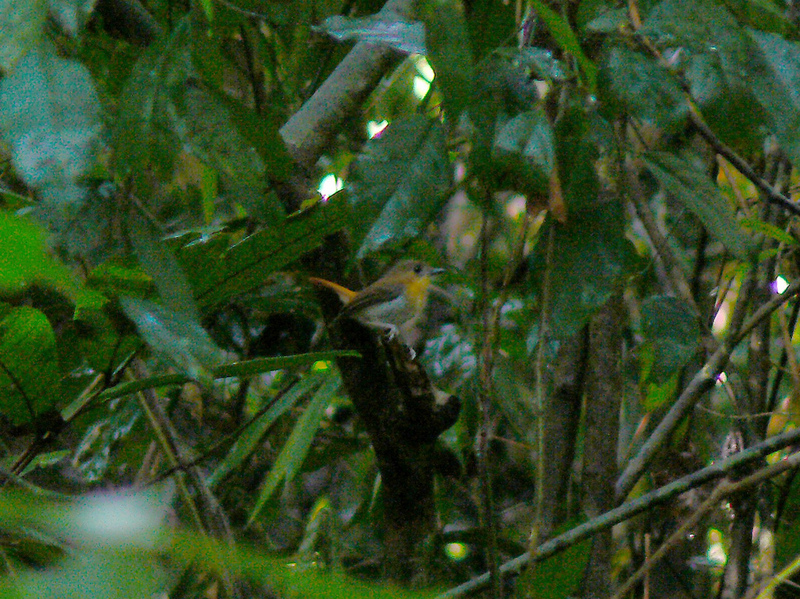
(425, 69)
(374, 127)
(329, 185)
(515, 207)
(421, 87)
(716, 554)
(721, 319)
(779, 285)
(722, 378)
(321, 365)
(456, 551)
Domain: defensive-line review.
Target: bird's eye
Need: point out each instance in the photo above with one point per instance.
(418, 268)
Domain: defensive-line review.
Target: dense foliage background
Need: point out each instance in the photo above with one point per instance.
(611, 188)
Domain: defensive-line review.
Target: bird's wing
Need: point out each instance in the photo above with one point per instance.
(371, 296)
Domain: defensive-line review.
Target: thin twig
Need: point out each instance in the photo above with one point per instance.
(632, 508)
(724, 489)
(486, 359)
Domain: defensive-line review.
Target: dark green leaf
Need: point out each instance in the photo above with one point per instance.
(398, 183)
(29, 374)
(699, 195)
(637, 86)
(251, 438)
(491, 24)
(556, 577)
(543, 64)
(671, 328)
(756, 224)
(591, 257)
(298, 444)
(449, 53)
(218, 273)
(21, 29)
(145, 135)
(524, 148)
(159, 262)
(403, 35)
(566, 38)
(775, 80)
(53, 139)
(259, 132)
(179, 339)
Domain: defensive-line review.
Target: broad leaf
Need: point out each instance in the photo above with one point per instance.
(29, 374)
(401, 34)
(177, 338)
(145, 135)
(218, 272)
(524, 149)
(671, 329)
(699, 195)
(398, 184)
(556, 577)
(777, 87)
(24, 259)
(449, 54)
(53, 140)
(591, 256)
(637, 86)
(158, 261)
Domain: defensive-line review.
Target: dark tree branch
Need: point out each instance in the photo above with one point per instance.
(403, 415)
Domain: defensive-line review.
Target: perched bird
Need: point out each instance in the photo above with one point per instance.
(393, 303)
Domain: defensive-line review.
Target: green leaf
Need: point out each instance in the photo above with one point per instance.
(524, 148)
(670, 326)
(24, 259)
(591, 256)
(401, 34)
(218, 273)
(296, 448)
(54, 139)
(159, 262)
(398, 184)
(245, 368)
(556, 577)
(21, 29)
(634, 85)
(699, 195)
(562, 32)
(259, 133)
(768, 229)
(251, 437)
(775, 79)
(179, 339)
(724, 67)
(145, 135)
(29, 374)
(490, 24)
(449, 53)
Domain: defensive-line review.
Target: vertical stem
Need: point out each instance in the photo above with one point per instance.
(541, 398)
(486, 360)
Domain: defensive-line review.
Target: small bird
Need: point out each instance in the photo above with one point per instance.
(393, 303)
